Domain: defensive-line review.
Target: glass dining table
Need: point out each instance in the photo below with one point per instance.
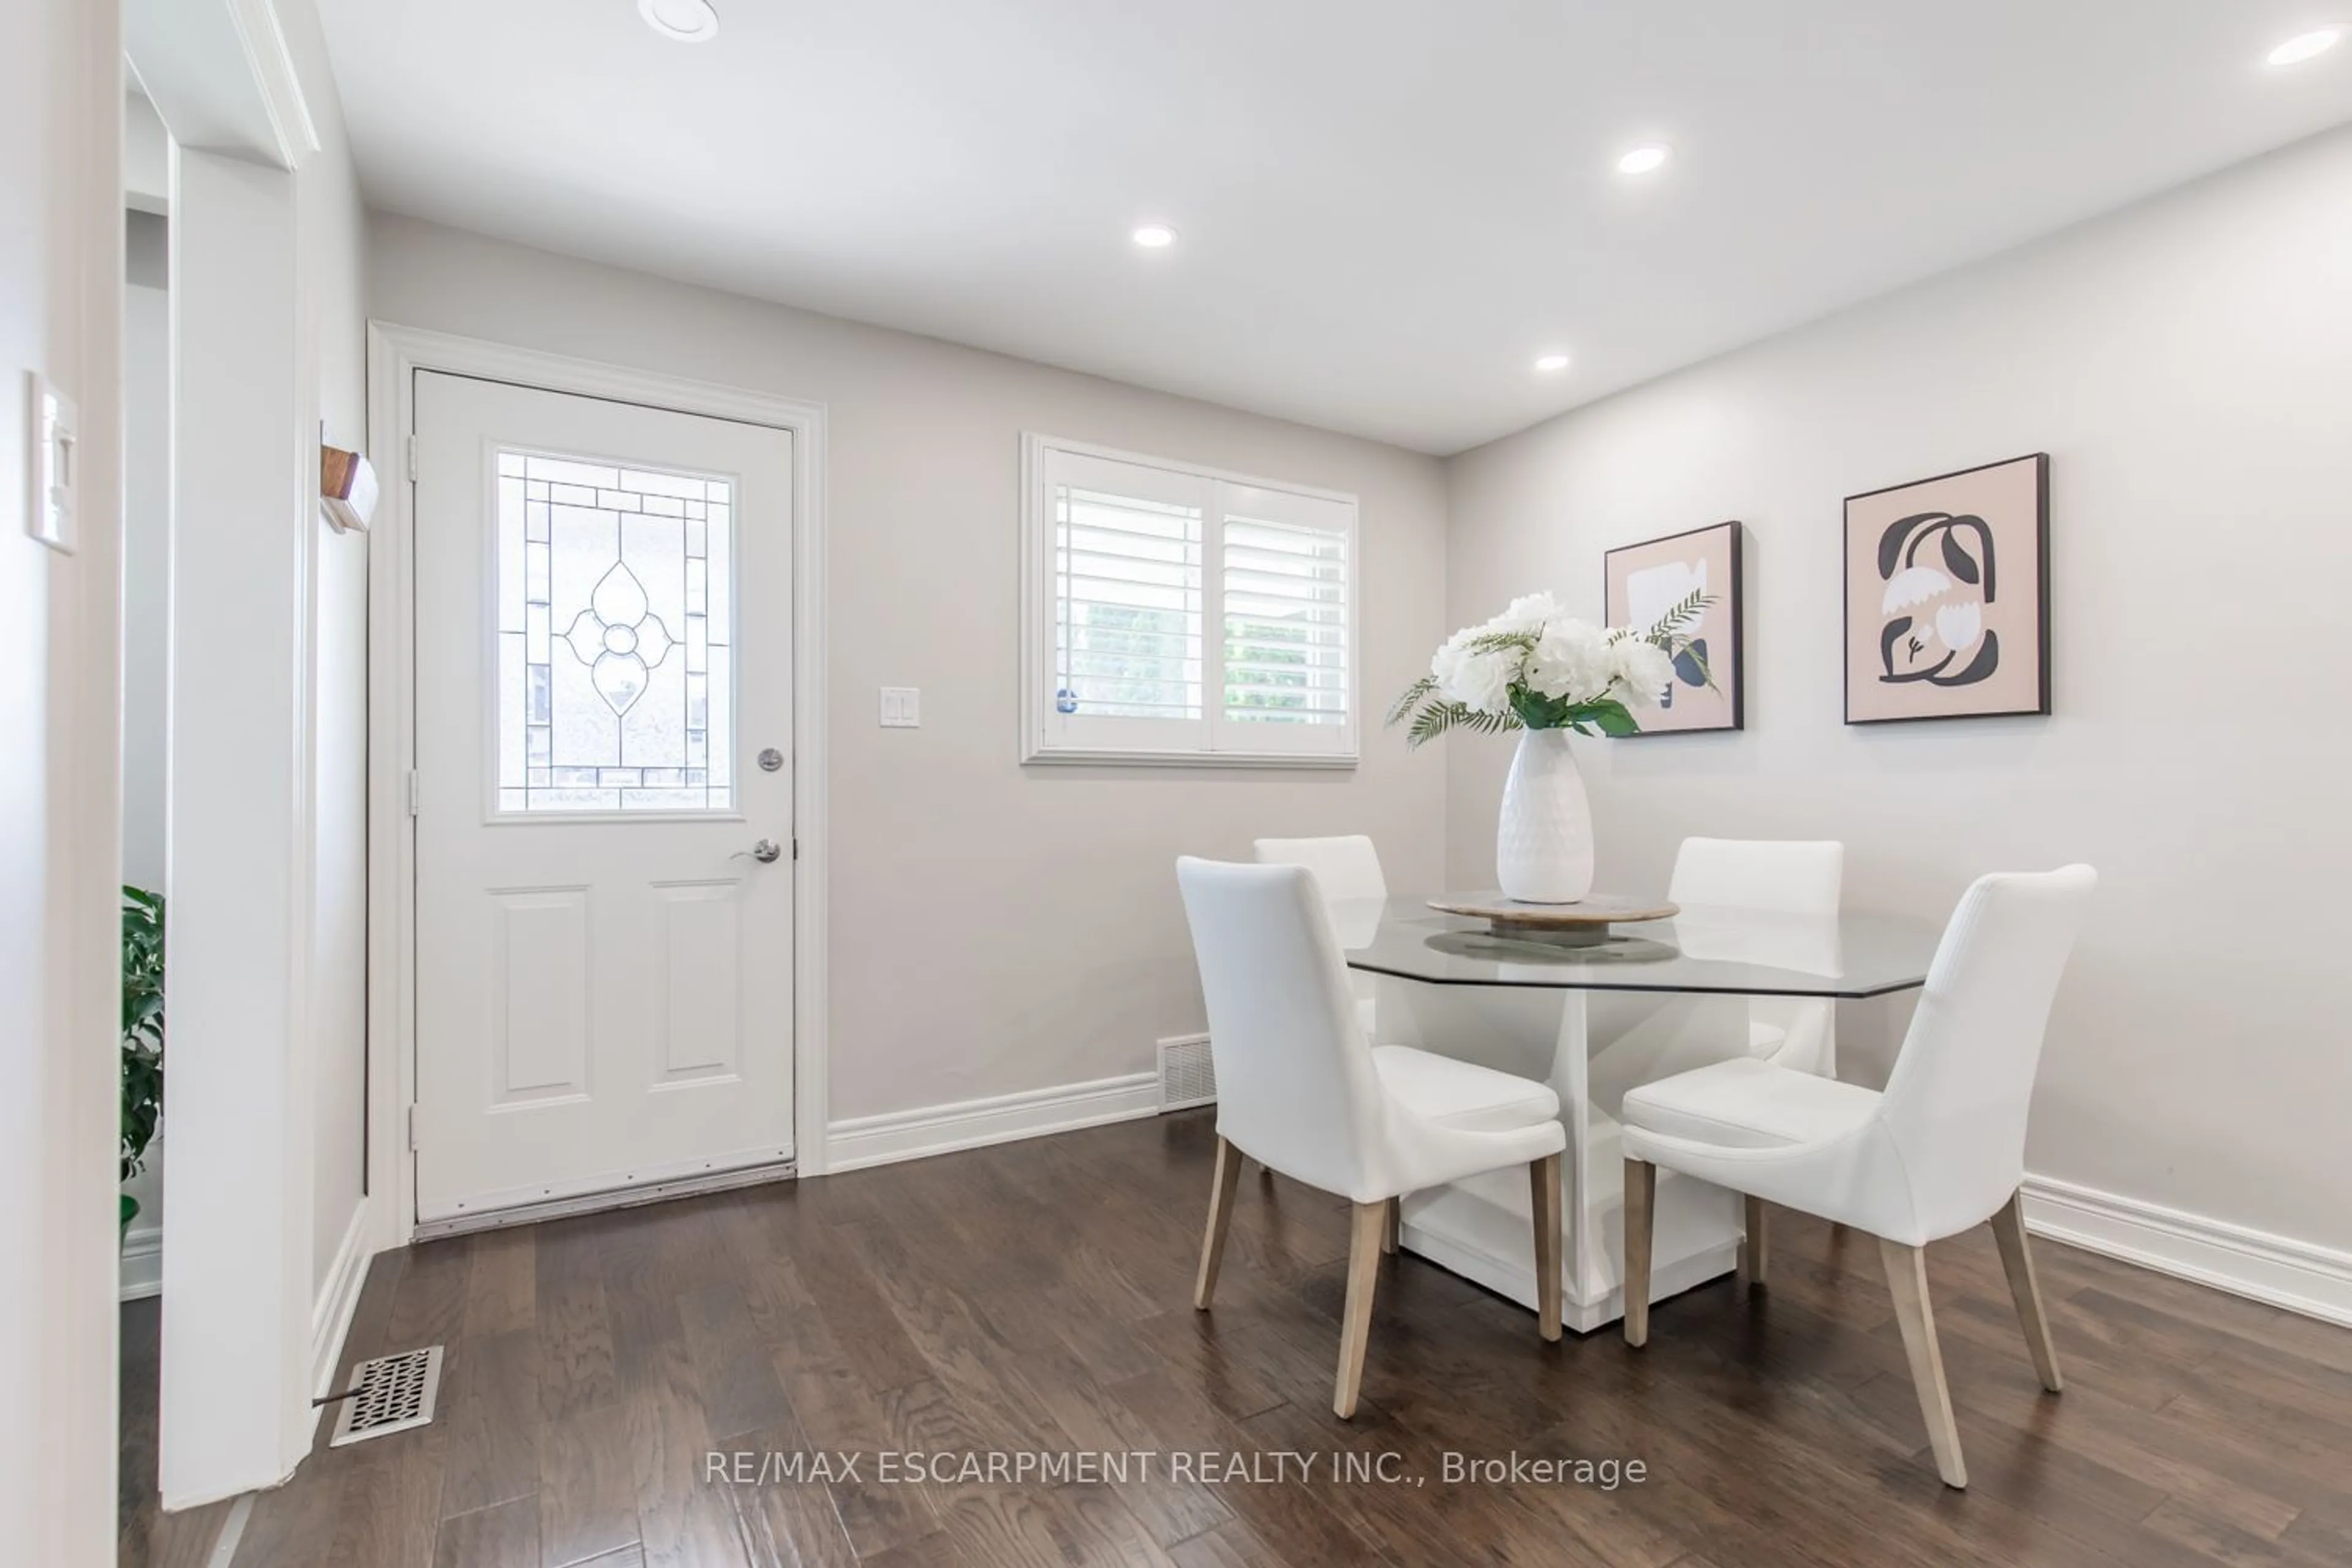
(1594, 1014)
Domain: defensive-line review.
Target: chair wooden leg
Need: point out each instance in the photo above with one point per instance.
(1364, 1229)
(1906, 1278)
(1221, 1218)
(1640, 1198)
(1391, 1226)
(2017, 1261)
(1755, 1243)
(1543, 1192)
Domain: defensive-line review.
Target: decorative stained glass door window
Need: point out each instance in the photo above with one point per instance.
(615, 631)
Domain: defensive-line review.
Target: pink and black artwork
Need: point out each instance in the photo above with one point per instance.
(1947, 595)
(1644, 581)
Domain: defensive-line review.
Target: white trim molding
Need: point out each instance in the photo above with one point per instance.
(338, 1297)
(272, 64)
(222, 76)
(2296, 1275)
(141, 1272)
(860, 1140)
(395, 353)
(239, 1280)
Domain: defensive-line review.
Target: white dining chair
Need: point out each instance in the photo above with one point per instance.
(1301, 1090)
(1941, 1150)
(1800, 878)
(1786, 876)
(1347, 871)
(1346, 867)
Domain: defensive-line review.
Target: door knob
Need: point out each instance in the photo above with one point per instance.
(767, 852)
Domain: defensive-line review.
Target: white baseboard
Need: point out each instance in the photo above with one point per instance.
(141, 1273)
(861, 1141)
(2295, 1275)
(338, 1297)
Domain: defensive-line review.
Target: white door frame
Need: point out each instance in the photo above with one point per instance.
(246, 1325)
(394, 354)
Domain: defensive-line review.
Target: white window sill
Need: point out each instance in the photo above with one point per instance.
(1106, 756)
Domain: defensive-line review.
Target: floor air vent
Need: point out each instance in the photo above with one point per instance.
(389, 1393)
(1187, 1075)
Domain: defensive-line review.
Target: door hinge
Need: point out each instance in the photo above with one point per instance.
(796, 848)
(412, 1129)
(411, 789)
(411, 456)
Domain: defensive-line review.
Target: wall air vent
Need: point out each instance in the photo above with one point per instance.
(1187, 1077)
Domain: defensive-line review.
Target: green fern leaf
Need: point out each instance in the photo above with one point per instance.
(1411, 698)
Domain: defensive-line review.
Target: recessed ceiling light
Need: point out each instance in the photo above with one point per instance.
(1155, 237)
(1644, 160)
(687, 21)
(2305, 45)
(1552, 361)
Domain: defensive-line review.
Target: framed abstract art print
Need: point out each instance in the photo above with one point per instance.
(1645, 581)
(1947, 595)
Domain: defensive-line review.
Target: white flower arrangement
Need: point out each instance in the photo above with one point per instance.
(1535, 667)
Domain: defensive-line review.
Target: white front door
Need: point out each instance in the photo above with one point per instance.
(605, 834)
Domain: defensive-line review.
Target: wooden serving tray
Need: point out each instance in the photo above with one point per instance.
(1595, 912)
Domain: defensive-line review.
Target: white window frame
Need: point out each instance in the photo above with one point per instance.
(1049, 736)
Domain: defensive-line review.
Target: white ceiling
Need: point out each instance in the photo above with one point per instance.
(1386, 209)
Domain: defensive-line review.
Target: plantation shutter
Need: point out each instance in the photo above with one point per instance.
(1173, 615)
(1286, 576)
(1131, 586)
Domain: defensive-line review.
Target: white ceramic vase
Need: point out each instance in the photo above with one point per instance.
(1543, 849)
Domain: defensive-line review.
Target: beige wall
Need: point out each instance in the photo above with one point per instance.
(2188, 364)
(60, 258)
(994, 928)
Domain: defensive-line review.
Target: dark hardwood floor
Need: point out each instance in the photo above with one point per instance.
(145, 1536)
(1036, 1297)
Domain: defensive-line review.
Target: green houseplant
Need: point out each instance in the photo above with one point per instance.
(142, 1031)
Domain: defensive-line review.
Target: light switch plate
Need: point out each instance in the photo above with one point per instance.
(55, 470)
(902, 707)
